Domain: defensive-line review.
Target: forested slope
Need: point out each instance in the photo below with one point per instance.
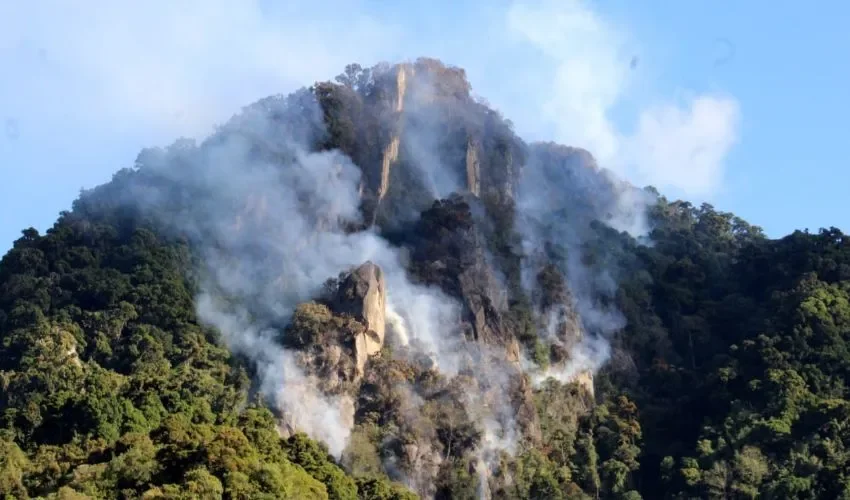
(173, 333)
(110, 388)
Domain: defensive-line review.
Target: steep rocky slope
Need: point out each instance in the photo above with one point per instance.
(438, 198)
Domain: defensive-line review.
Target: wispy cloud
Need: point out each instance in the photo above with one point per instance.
(684, 145)
(178, 67)
(676, 144)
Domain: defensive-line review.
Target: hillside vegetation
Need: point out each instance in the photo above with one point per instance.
(124, 375)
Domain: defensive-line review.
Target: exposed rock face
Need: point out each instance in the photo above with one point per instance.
(363, 295)
(473, 169)
(511, 174)
(526, 412)
(417, 134)
(423, 135)
(333, 344)
(484, 300)
(390, 156)
(424, 463)
(451, 254)
(401, 85)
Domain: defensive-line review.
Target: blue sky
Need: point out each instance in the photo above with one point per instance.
(742, 104)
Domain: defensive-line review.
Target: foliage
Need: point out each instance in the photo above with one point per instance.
(111, 388)
(740, 346)
(729, 379)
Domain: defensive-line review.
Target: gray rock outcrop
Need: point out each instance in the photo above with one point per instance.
(362, 294)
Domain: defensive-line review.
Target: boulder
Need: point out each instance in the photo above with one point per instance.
(362, 295)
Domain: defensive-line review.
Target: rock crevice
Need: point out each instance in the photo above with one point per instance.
(473, 168)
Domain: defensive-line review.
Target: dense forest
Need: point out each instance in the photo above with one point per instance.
(723, 373)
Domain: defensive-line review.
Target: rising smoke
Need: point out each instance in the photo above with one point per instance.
(561, 193)
(269, 219)
(272, 222)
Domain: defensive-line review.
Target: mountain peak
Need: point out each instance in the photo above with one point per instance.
(374, 288)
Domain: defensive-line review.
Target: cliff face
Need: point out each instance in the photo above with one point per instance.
(429, 140)
(431, 136)
(473, 169)
(362, 294)
(450, 252)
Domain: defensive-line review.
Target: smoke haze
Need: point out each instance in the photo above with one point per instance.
(269, 220)
(92, 79)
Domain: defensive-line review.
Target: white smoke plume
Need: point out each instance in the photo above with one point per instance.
(588, 356)
(423, 118)
(270, 220)
(281, 379)
(561, 192)
(677, 145)
(269, 225)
